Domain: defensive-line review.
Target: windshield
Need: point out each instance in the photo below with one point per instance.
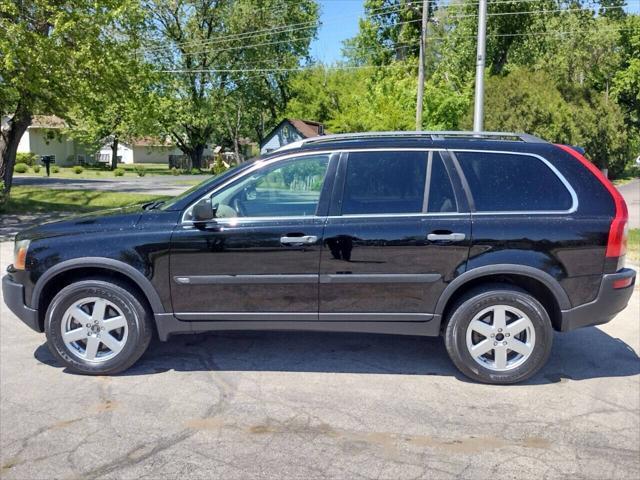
(203, 185)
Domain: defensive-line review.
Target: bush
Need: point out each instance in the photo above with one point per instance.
(195, 171)
(78, 169)
(21, 168)
(55, 169)
(174, 171)
(139, 169)
(118, 172)
(26, 158)
(36, 168)
(218, 167)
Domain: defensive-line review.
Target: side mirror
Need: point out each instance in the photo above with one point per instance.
(203, 211)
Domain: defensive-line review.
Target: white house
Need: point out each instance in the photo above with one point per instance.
(141, 150)
(290, 130)
(45, 137)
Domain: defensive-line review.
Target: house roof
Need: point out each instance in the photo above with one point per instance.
(47, 121)
(151, 142)
(306, 128)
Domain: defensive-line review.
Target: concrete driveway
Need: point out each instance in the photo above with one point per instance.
(307, 406)
(631, 194)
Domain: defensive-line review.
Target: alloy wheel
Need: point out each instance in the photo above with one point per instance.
(500, 337)
(94, 329)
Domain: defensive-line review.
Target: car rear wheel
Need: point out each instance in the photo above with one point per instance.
(499, 334)
(97, 327)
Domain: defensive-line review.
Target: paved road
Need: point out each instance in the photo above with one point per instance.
(156, 185)
(307, 406)
(631, 194)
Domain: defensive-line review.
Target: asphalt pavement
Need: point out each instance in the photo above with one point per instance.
(149, 184)
(317, 406)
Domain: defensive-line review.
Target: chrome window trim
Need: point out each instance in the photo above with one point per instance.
(263, 163)
(563, 180)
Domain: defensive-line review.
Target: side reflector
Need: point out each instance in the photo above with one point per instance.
(622, 283)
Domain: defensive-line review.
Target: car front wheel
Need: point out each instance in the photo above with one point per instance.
(97, 327)
(499, 334)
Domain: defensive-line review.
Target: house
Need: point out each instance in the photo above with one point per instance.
(290, 130)
(45, 136)
(141, 150)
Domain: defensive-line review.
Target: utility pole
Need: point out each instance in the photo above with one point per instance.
(478, 109)
(423, 49)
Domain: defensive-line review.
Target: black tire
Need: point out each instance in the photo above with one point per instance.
(474, 302)
(138, 321)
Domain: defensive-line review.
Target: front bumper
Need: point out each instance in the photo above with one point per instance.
(13, 294)
(609, 302)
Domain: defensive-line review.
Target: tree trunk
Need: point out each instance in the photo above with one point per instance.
(9, 139)
(195, 154)
(114, 153)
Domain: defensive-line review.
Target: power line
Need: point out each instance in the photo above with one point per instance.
(288, 40)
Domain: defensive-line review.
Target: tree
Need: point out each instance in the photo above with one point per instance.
(121, 107)
(48, 48)
(226, 65)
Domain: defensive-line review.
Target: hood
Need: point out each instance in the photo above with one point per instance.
(102, 221)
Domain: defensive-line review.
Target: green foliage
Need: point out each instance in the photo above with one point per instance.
(21, 168)
(78, 169)
(4, 197)
(527, 101)
(51, 52)
(55, 169)
(204, 106)
(118, 172)
(26, 158)
(140, 171)
(36, 168)
(175, 171)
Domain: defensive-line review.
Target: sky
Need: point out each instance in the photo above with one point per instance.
(340, 21)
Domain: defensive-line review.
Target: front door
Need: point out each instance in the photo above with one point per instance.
(258, 259)
(396, 235)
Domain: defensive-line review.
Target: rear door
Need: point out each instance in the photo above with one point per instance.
(397, 232)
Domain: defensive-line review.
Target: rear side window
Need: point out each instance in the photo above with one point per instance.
(502, 182)
(384, 182)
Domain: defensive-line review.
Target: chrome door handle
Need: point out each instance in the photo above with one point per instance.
(304, 240)
(451, 237)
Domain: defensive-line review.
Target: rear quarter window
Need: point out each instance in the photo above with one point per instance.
(503, 182)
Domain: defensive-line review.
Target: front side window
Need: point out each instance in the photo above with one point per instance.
(290, 188)
(502, 182)
(384, 182)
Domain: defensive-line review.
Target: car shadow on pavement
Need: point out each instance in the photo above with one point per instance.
(583, 354)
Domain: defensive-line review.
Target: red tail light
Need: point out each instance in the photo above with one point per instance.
(617, 243)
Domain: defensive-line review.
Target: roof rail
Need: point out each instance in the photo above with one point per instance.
(433, 135)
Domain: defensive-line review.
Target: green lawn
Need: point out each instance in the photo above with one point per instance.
(40, 200)
(633, 245)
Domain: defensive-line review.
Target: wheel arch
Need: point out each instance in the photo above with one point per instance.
(57, 277)
(538, 283)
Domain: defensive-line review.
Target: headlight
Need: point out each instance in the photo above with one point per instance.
(20, 254)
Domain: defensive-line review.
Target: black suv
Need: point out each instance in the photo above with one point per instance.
(491, 240)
